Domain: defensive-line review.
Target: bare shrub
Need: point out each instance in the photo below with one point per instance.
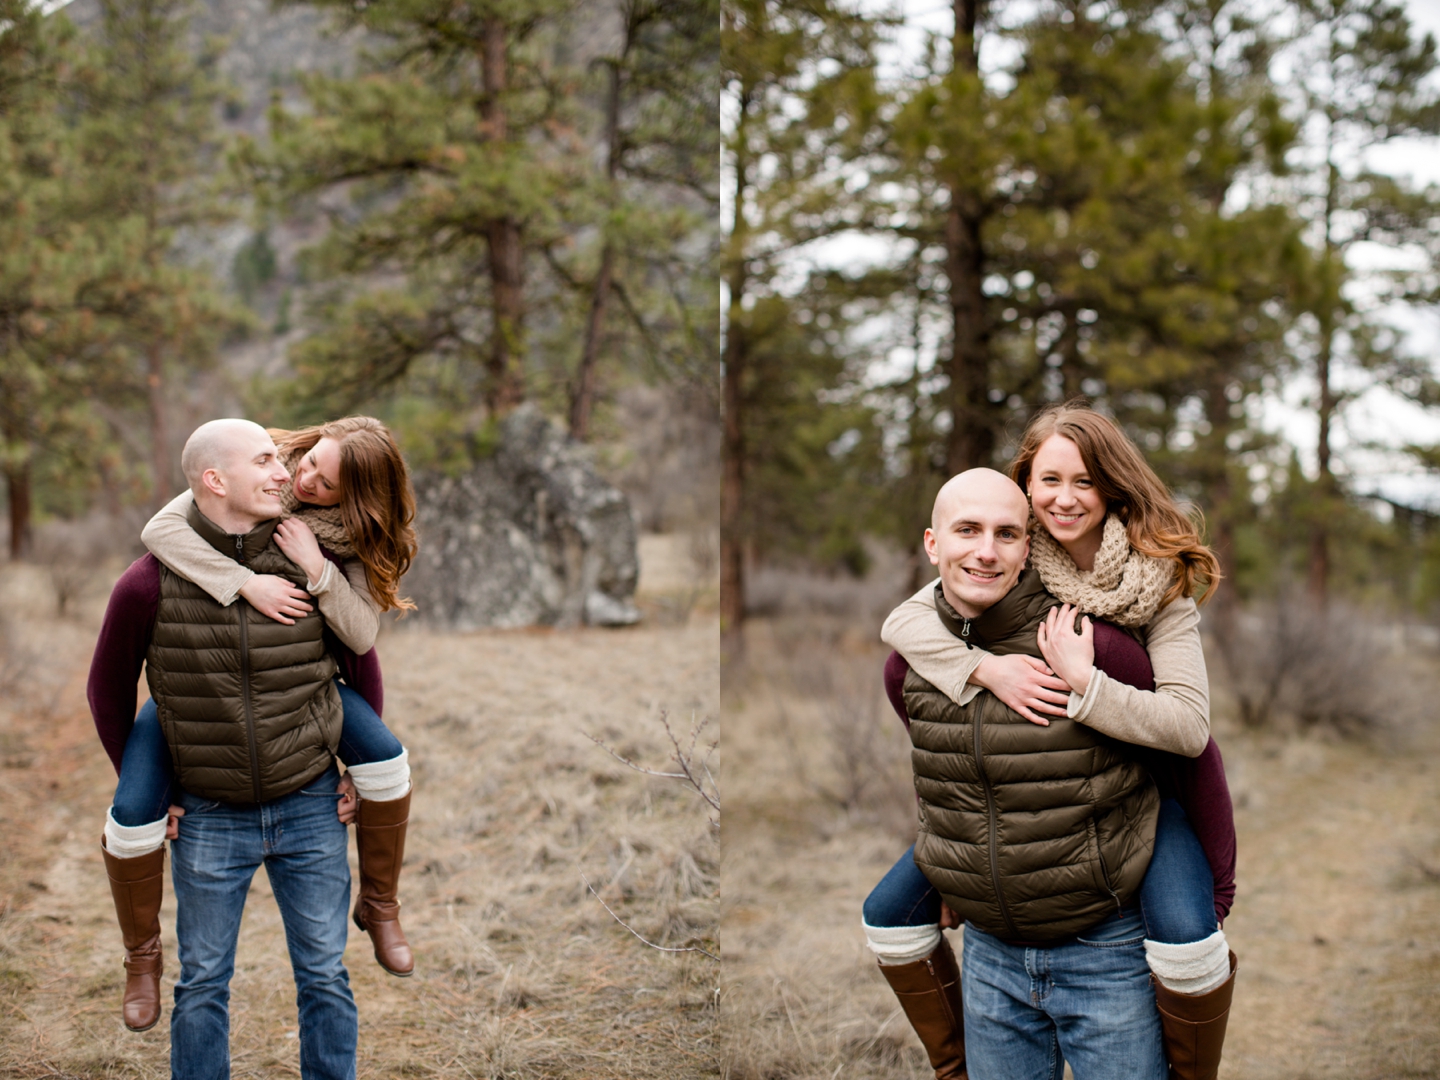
(73, 552)
(1289, 661)
(862, 764)
(774, 590)
(668, 463)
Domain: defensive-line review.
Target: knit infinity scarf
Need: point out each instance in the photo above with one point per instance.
(324, 521)
(1125, 586)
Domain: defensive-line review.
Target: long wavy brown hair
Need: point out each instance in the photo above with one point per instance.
(377, 503)
(1131, 490)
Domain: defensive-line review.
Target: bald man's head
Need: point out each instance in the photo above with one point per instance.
(975, 484)
(979, 539)
(235, 472)
(214, 444)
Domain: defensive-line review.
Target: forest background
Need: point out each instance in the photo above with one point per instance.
(436, 213)
(1203, 216)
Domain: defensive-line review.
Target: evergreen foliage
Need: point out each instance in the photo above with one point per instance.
(1129, 211)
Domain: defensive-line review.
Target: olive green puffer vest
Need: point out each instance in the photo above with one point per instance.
(246, 703)
(1033, 834)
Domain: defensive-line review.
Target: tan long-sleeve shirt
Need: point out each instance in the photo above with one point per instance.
(1175, 717)
(344, 598)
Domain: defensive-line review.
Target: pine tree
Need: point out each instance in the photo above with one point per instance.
(456, 153)
(1362, 79)
(148, 142)
(799, 85)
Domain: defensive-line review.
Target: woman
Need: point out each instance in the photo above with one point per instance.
(350, 492)
(1111, 542)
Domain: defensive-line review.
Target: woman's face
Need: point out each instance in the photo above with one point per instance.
(317, 477)
(1064, 498)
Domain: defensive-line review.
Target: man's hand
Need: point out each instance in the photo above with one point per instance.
(295, 539)
(948, 919)
(172, 822)
(1071, 654)
(276, 598)
(348, 802)
(1026, 684)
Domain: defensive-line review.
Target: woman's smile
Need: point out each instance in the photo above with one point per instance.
(1064, 499)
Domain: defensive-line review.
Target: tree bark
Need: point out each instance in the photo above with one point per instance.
(733, 360)
(972, 432)
(503, 390)
(583, 399)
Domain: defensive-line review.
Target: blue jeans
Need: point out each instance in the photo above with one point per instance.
(302, 845)
(146, 777)
(1087, 1001)
(904, 897)
(1177, 897)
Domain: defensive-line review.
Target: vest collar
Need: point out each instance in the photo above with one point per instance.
(1005, 617)
(240, 548)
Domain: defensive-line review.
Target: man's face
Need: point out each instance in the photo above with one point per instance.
(979, 542)
(253, 477)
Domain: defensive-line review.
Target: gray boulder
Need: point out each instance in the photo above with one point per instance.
(529, 536)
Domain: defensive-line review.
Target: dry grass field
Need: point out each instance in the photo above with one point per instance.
(520, 971)
(1337, 920)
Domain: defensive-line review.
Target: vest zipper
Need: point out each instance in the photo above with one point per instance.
(245, 699)
(965, 633)
(1105, 870)
(992, 817)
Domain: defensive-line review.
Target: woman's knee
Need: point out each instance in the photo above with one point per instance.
(364, 738)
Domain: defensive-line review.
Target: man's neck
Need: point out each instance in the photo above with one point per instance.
(223, 515)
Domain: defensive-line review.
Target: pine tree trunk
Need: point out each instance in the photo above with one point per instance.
(503, 389)
(732, 464)
(17, 482)
(1323, 505)
(972, 434)
(583, 399)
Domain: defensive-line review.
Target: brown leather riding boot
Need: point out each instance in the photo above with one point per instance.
(380, 838)
(929, 992)
(1194, 1027)
(137, 886)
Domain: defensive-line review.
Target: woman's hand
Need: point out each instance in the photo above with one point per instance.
(295, 539)
(1024, 683)
(1072, 655)
(276, 598)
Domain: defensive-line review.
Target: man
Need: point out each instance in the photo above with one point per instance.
(251, 718)
(1037, 836)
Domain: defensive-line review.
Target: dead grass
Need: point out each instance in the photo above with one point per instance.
(520, 972)
(1337, 922)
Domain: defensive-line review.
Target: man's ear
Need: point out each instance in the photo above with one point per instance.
(213, 481)
(1027, 550)
(930, 547)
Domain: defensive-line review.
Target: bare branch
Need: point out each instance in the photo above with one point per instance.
(695, 773)
(627, 926)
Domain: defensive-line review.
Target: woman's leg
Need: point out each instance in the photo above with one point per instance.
(1190, 960)
(378, 765)
(902, 928)
(134, 853)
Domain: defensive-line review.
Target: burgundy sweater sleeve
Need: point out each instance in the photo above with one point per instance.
(1198, 784)
(120, 654)
(361, 673)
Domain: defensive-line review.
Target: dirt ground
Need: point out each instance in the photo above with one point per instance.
(520, 970)
(1336, 923)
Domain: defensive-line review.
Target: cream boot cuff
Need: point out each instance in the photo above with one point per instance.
(1196, 967)
(130, 841)
(381, 781)
(902, 944)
